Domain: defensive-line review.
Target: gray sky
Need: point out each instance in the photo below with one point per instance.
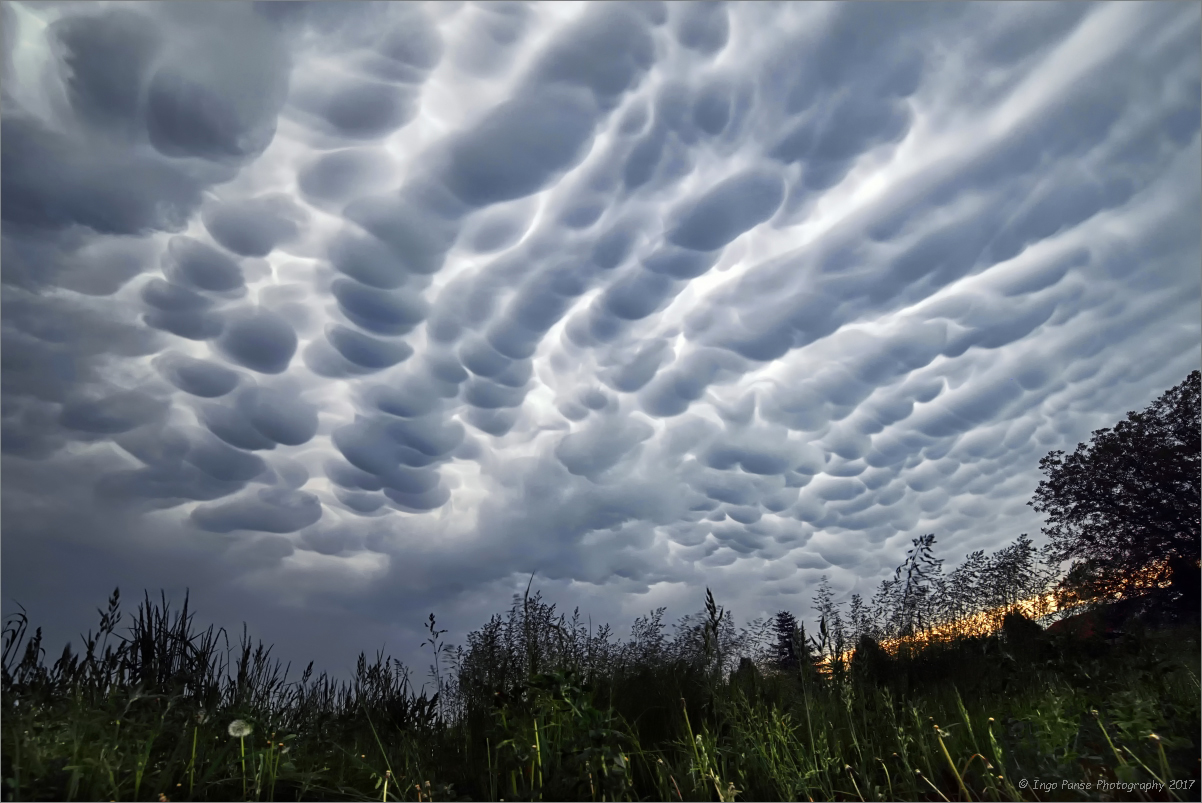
(343, 313)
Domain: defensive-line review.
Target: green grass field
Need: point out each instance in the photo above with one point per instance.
(538, 708)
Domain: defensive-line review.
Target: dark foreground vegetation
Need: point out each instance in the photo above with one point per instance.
(537, 707)
(942, 687)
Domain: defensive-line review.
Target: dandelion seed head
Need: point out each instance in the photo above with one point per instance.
(240, 729)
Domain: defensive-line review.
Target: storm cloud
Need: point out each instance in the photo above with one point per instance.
(347, 312)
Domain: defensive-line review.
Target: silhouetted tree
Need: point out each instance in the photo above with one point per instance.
(963, 588)
(1128, 503)
(860, 619)
(1014, 573)
(870, 662)
(885, 605)
(1024, 637)
(788, 640)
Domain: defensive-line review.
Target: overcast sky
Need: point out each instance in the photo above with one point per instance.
(339, 314)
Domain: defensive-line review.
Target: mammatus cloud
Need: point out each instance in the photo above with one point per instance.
(339, 312)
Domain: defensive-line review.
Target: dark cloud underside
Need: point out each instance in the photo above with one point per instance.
(342, 311)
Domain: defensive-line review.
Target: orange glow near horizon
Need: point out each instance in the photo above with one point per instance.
(986, 622)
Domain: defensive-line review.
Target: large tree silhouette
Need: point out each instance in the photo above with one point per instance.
(1125, 508)
(789, 641)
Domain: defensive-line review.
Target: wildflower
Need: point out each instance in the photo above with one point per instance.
(1154, 737)
(240, 729)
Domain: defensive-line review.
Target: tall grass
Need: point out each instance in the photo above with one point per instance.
(540, 707)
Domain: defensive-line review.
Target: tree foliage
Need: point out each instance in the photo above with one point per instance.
(1127, 503)
(789, 642)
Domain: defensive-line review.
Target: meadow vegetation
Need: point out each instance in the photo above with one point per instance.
(537, 706)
